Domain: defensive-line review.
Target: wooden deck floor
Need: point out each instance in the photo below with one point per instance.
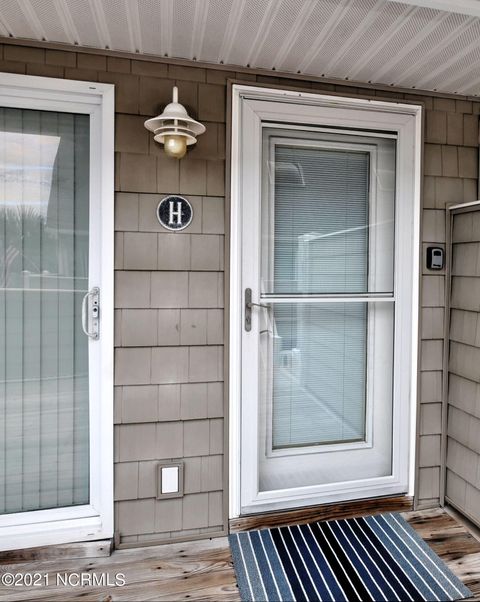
(203, 571)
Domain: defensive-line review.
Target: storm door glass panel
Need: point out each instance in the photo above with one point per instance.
(44, 226)
(319, 375)
(327, 247)
(321, 220)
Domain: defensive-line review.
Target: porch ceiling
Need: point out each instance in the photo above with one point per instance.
(418, 44)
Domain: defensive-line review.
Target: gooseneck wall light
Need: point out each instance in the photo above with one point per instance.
(174, 128)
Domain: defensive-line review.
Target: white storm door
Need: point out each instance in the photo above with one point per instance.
(56, 377)
(321, 412)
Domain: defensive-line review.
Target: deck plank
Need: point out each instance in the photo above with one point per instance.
(202, 570)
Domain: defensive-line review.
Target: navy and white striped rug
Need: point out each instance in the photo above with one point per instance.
(371, 558)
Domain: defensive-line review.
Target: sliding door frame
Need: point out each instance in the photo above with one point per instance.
(94, 520)
(251, 105)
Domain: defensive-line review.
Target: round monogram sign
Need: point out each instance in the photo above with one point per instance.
(174, 213)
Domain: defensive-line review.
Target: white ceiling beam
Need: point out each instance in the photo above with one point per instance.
(262, 32)
(409, 76)
(330, 67)
(5, 27)
(468, 86)
(101, 24)
(413, 43)
(166, 27)
(31, 16)
(438, 76)
(231, 30)
(429, 79)
(462, 7)
(296, 30)
(457, 82)
(322, 35)
(199, 27)
(67, 22)
(133, 20)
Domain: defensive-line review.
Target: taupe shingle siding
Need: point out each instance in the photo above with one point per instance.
(463, 451)
(451, 173)
(169, 288)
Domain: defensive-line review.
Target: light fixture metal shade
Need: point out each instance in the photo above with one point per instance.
(175, 121)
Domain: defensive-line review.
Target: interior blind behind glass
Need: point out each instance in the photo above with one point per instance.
(319, 373)
(327, 228)
(321, 221)
(328, 213)
(44, 253)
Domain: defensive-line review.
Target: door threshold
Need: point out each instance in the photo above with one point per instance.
(349, 509)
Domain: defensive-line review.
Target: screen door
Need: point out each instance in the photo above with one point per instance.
(319, 332)
(323, 297)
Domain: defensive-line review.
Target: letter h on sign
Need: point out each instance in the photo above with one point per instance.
(174, 213)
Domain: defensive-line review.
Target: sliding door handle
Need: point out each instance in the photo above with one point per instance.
(249, 305)
(264, 305)
(91, 313)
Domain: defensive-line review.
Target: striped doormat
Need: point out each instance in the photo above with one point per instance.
(371, 558)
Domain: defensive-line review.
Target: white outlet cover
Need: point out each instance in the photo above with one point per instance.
(169, 479)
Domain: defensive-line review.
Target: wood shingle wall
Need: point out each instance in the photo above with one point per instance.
(169, 295)
(463, 448)
(450, 176)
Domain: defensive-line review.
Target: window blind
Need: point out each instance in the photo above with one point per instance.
(321, 221)
(44, 222)
(319, 373)
(320, 245)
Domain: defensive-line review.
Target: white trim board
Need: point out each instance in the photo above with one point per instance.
(94, 520)
(462, 7)
(250, 106)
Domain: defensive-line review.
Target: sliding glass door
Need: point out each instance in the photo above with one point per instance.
(50, 258)
(44, 215)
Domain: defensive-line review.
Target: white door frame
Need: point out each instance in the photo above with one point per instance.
(94, 520)
(250, 106)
